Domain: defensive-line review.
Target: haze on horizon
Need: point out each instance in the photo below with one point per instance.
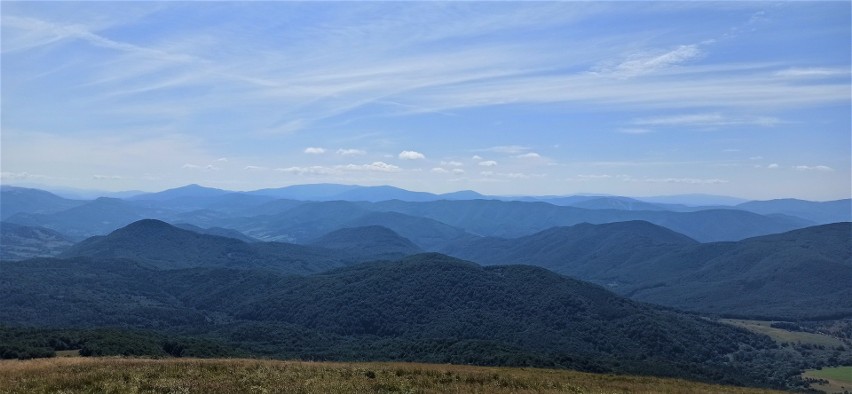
(747, 99)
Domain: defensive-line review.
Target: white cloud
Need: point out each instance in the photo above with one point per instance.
(209, 167)
(645, 63)
(812, 72)
(20, 175)
(476, 157)
(814, 168)
(691, 181)
(378, 166)
(312, 170)
(458, 171)
(439, 170)
(254, 168)
(510, 175)
(488, 163)
(411, 155)
(773, 166)
(107, 177)
(595, 176)
(314, 150)
(222, 159)
(506, 149)
(515, 175)
(530, 155)
(706, 119)
(351, 152)
(452, 164)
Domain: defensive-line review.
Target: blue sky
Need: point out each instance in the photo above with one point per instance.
(650, 98)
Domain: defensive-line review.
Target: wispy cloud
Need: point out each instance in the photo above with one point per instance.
(506, 149)
(107, 177)
(377, 166)
(528, 155)
(488, 163)
(813, 168)
(351, 152)
(311, 170)
(314, 150)
(635, 130)
(705, 120)
(691, 181)
(637, 64)
(812, 72)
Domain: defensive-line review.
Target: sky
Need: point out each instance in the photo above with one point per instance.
(537, 98)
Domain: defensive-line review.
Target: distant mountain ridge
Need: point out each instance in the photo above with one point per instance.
(18, 242)
(375, 241)
(432, 221)
(167, 247)
(798, 274)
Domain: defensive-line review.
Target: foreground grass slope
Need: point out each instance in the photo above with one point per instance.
(84, 375)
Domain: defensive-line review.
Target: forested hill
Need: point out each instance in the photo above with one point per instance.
(799, 274)
(374, 241)
(168, 247)
(427, 307)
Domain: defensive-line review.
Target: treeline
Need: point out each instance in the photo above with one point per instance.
(26, 343)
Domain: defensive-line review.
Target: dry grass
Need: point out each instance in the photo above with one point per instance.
(123, 375)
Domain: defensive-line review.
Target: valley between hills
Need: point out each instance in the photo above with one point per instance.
(749, 294)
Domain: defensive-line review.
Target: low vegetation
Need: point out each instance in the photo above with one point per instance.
(84, 375)
(830, 380)
(792, 333)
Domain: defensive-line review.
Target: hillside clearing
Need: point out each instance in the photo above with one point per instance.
(77, 375)
(784, 336)
(836, 380)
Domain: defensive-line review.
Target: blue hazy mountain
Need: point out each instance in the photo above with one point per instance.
(14, 200)
(165, 246)
(179, 192)
(819, 212)
(374, 241)
(802, 273)
(18, 242)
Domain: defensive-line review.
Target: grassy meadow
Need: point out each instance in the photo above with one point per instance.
(838, 379)
(119, 375)
(784, 336)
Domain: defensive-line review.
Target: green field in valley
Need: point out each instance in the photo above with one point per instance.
(833, 380)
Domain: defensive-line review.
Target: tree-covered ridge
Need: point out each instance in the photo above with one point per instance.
(798, 274)
(165, 246)
(372, 241)
(427, 307)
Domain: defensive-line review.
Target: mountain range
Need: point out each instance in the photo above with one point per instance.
(426, 307)
(597, 283)
(803, 273)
